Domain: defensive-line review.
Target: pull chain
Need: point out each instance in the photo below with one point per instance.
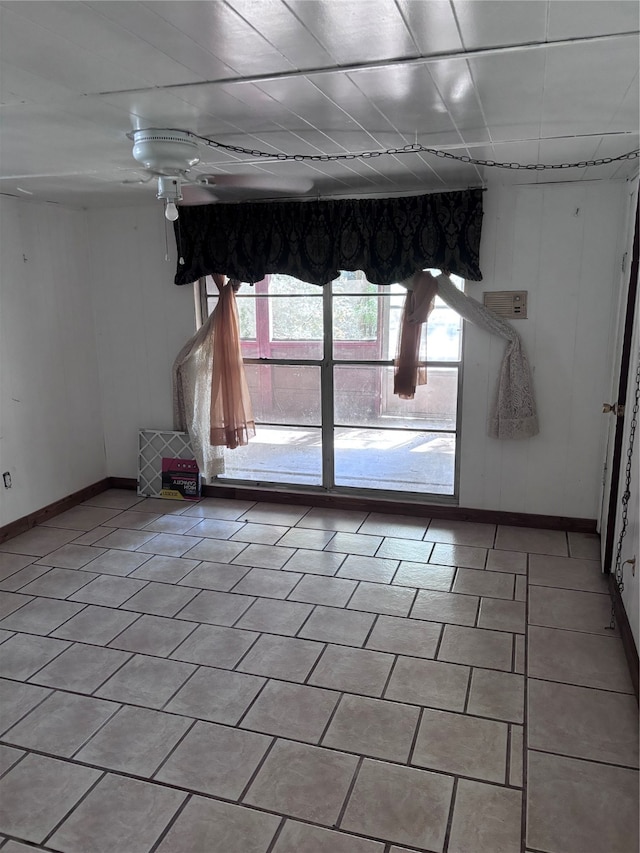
(619, 565)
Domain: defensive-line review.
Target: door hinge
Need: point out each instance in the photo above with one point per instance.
(616, 409)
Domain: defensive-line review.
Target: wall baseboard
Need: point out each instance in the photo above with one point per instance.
(628, 643)
(21, 525)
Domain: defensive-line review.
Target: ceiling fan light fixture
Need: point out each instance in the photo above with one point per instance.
(171, 212)
(167, 152)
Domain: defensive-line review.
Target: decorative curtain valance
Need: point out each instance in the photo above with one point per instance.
(389, 239)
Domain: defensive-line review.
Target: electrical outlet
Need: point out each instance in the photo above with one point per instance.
(7, 480)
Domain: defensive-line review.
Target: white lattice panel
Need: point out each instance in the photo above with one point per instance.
(153, 444)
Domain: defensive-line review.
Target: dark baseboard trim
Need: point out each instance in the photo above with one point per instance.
(21, 525)
(366, 504)
(628, 642)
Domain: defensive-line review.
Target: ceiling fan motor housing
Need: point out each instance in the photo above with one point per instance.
(166, 152)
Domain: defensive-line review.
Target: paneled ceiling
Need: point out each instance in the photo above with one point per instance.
(518, 81)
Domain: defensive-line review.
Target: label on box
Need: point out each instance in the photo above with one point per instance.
(180, 479)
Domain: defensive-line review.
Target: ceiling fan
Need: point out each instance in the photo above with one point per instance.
(169, 155)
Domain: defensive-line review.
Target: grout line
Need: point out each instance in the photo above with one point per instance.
(347, 797)
(171, 823)
(447, 834)
(277, 835)
(75, 806)
(173, 749)
(507, 769)
(330, 720)
(414, 739)
(258, 768)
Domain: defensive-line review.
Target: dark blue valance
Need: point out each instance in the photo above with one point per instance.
(389, 238)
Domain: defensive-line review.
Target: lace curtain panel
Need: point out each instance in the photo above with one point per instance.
(387, 238)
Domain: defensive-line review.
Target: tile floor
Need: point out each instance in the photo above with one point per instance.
(236, 677)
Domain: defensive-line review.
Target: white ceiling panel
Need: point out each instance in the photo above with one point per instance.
(315, 77)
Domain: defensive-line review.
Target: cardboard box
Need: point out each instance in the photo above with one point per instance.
(180, 479)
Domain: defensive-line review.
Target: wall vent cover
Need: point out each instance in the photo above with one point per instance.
(507, 303)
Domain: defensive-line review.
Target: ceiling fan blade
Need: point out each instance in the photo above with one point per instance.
(264, 183)
(197, 194)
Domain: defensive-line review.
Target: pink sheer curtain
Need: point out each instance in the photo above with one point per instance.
(231, 421)
(408, 372)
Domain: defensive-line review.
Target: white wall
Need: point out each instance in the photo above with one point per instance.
(51, 437)
(142, 321)
(560, 243)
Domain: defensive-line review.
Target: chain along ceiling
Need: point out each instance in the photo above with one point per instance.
(511, 81)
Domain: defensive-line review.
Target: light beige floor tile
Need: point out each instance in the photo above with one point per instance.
(300, 537)
(405, 549)
(499, 695)
(472, 533)
(215, 646)
(217, 576)
(400, 804)
(516, 756)
(303, 781)
(445, 607)
(38, 541)
(577, 658)
(116, 499)
(218, 508)
(173, 524)
(275, 617)
(368, 569)
(567, 573)
(160, 599)
(275, 513)
(214, 759)
(503, 615)
(135, 740)
(165, 569)
(373, 727)
(569, 720)
(260, 534)
(98, 625)
(429, 683)
(423, 576)
(570, 609)
(263, 556)
(219, 828)
(486, 819)
(297, 837)
(114, 562)
(291, 710)
(397, 526)
(216, 695)
(17, 700)
(281, 657)
(507, 561)
(12, 601)
(405, 637)
(61, 724)
(71, 556)
(315, 562)
(575, 806)
(584, 545)
(41, 616)
(463, 745)
(18, 847)
(81, 518)
(125, 540)
(216, 528)
(131, 520)
(213, 550)
(23, 655)
(146, 681)
(476, 647)
(216, 608)
(80, 668)
(352, 670)
(38, 792)
(466, 556)
(153, 635)
(330, 625)
(270, 583)
(17, 579)
(11, 563)
(163, 506)
(315, 589)
(522, 588)
(9, 755)
(533, 541)
(119, 814)
(170, 545)
(489, 584)
(108, 590)
(92, 537)
(321, 518)
(382, 598)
